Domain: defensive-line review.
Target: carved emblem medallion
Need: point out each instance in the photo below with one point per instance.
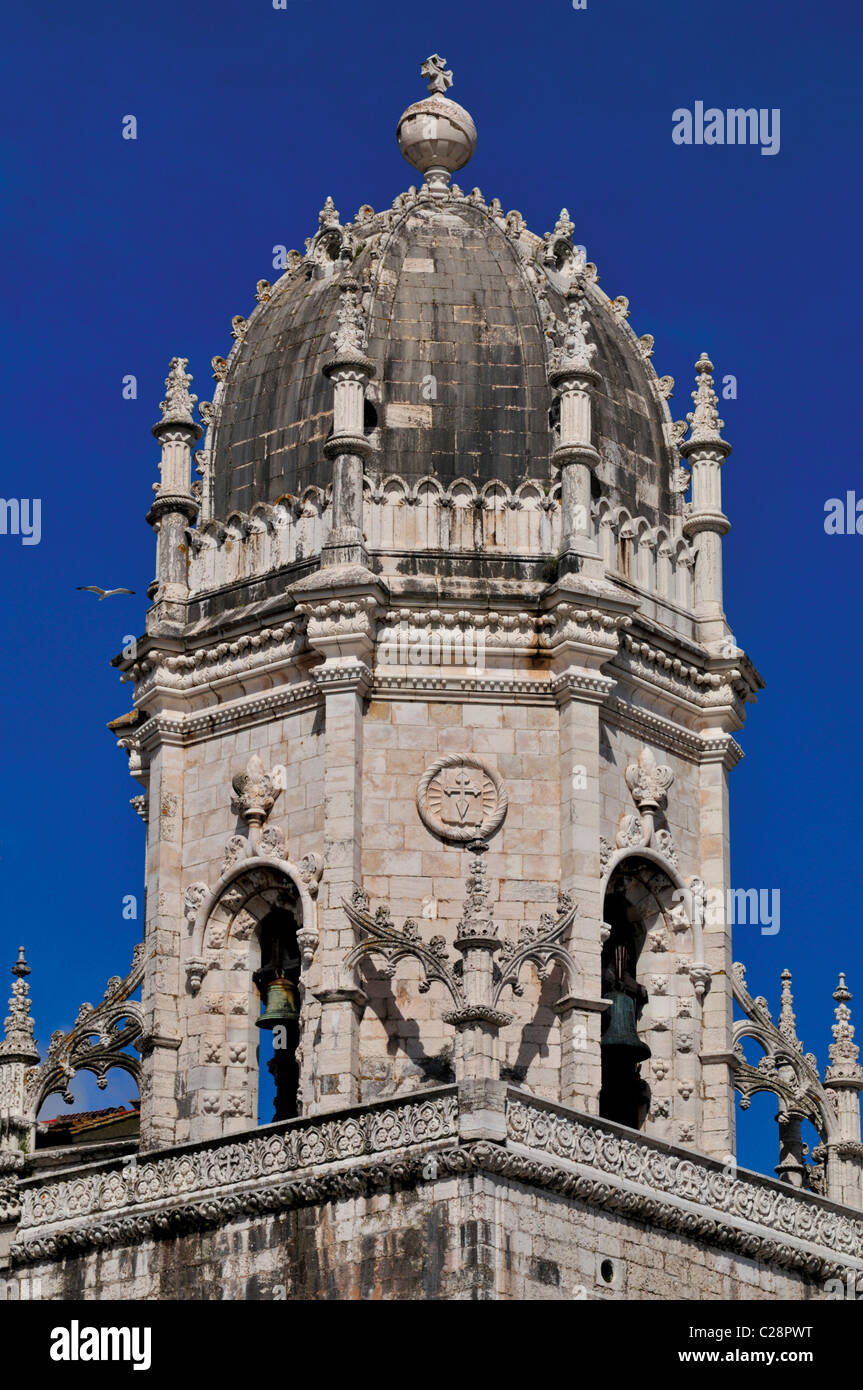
(460, 799)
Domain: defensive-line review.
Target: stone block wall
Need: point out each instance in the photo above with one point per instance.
(403, 1041)
(465, 1238)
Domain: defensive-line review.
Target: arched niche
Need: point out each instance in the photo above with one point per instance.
(652, 942)
(259, 922)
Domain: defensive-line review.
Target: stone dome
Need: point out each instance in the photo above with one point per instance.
(461, 307)
(455, 296)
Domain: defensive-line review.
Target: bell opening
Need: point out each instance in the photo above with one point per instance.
(625, 1095)
(278, 984)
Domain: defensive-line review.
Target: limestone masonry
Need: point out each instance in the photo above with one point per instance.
(432, 720)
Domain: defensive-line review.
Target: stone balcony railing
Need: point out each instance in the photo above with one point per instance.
(479, 1127)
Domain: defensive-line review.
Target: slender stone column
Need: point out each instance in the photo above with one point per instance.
(705, 450)
(844, 1078)
(573, 377)
(350, 372)
(174, 506)
(791, 1167)
(18, 1052)
(478, 1022)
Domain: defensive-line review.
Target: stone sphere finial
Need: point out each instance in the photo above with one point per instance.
(437, 136)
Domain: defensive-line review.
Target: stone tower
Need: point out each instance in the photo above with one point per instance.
(433, 720)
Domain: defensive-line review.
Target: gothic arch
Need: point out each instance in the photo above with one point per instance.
(223, 975)
(678, 882)
(652, 955)
(249, 886)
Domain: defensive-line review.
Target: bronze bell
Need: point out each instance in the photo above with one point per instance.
(621, 1036)
(282, 1004)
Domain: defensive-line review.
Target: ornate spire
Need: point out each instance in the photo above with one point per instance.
(476, 918)
(704, 422)
(177, 407)
(575, 353)
(18, 1026)
(787, 1021)
(434, 69)
(843, 1050)
(328, 215)
(564, 226)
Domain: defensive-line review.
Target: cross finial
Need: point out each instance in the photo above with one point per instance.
(434, 69)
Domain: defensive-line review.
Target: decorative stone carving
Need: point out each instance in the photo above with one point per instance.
(192, 899)
(575, 353)
(648, 783)
(256, 791)
(474, 989)
(273, 843)
(348, 338)
(178, 405)
(115, 1205)
(460, 798)
(18, 1041)
(237, 849)
(630, 832)
(783, 1069)
(704, 422)
(96, 1043)
(196, 969)
(843, 1051)
(311, 872)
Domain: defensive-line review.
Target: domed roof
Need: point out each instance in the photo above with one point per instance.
(462, 306)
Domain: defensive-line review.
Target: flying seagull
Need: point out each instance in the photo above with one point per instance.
(103, 593)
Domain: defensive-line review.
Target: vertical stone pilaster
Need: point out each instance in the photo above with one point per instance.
(580, 1063)
(584, 639)
(336, 1078)
(161, 1082)
(718, 1114)
(341, 604)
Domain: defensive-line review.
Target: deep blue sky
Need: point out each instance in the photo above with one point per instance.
(119, 254)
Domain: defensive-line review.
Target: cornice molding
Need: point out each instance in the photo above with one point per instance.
(674, 738)
(181, 730)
